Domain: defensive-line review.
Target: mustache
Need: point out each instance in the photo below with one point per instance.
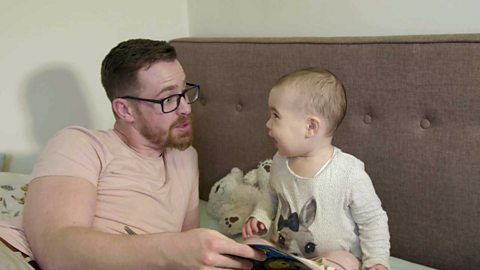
(183, 120)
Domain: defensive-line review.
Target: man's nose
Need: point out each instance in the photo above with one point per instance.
(184, 107)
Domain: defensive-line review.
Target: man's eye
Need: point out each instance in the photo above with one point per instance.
(169, 99)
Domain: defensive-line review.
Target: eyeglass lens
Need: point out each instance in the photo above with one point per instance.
(171, 104)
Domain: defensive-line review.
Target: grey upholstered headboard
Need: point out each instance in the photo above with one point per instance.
(413, 117)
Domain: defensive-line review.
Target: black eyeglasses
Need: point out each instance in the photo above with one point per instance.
(171, 103)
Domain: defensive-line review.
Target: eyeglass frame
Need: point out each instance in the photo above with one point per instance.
(162, 100)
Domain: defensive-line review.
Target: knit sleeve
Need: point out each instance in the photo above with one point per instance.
(266, 208)
(371, 219)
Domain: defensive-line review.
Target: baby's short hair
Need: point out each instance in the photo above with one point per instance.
(321, 91)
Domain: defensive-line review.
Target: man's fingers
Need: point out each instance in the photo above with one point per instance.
(242, 251)
(223, 261)
(233, 255)
(233, 262)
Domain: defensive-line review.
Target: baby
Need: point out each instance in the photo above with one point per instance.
(321, 201)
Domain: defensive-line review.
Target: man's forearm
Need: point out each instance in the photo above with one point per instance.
(83, 248)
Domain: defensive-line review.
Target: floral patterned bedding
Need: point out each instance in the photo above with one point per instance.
(13, 187)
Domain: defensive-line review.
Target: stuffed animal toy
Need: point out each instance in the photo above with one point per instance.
(232, 198)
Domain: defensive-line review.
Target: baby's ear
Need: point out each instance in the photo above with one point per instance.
(317, 125)
(314, 125)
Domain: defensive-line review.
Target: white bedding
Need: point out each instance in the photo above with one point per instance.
(395, 263)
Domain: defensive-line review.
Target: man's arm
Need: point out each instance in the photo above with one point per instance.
(192, 220)
(58, 221)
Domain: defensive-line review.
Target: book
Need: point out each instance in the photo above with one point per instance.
(278, 259)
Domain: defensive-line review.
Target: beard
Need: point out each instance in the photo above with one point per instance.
(169, 138)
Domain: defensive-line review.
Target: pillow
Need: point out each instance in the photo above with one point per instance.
(13, 187)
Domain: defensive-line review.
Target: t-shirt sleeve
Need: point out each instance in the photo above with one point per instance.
(73, 151)
(194, 195)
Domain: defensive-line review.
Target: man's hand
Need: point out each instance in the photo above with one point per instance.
(378, 267)
(208, 249)
(253, 227)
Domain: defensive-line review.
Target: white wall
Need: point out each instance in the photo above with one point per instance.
(50, 55)
(283, 18)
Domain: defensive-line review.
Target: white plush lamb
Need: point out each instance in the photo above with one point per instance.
(232, 198)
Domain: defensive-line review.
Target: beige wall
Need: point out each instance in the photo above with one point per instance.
(50, 54)
(331, 17)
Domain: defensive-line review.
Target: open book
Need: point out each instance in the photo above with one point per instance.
(278, 259)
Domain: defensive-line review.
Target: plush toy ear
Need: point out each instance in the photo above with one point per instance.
(263, 174)
(265, 165)
(251, 178)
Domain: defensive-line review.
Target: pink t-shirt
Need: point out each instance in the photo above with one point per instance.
(150, 195)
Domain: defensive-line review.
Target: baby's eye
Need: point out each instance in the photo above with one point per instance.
(274, 115)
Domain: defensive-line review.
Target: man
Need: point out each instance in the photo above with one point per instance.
(91, 188)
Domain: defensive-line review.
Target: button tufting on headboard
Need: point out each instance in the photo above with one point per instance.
(367, 119)
(425, 123)
(239, 107)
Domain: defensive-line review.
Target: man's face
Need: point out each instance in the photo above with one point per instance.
(174, 129)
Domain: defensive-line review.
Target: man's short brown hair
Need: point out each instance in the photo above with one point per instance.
(320, 92)
(122, 63)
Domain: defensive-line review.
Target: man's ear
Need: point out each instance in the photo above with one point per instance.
(314, 125)
(122, 110)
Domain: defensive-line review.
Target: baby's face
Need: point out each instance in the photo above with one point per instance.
(287, 122)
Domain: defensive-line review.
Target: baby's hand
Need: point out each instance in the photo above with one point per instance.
(252, 227)
(378, 267)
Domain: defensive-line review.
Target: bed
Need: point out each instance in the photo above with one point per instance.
(14, 185)
(413, 117)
